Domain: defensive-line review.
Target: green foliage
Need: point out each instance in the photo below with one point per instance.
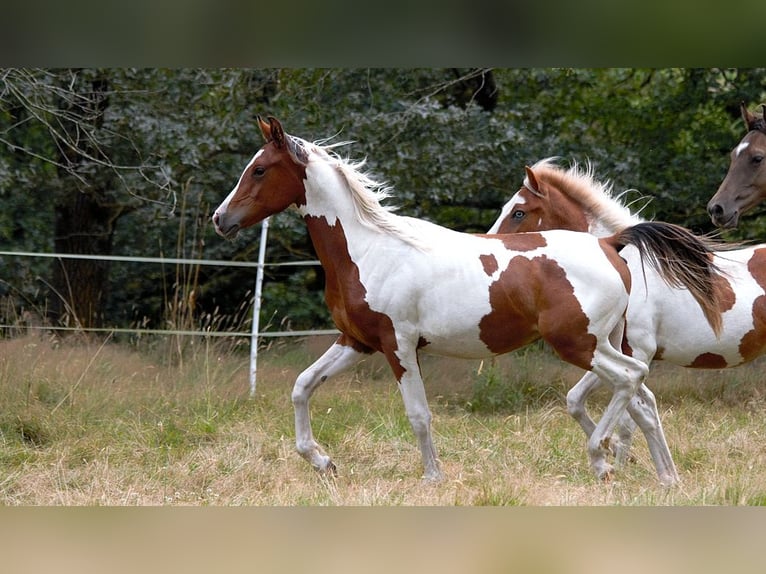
(517, 386)
(168, 145)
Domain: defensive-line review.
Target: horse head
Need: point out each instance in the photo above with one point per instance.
(272, 181)
(745, 183)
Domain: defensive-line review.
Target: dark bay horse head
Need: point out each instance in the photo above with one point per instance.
(745, 183)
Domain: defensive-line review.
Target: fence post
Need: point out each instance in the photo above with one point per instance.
(257, 305)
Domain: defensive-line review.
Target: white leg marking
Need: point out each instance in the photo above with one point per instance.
(626, 375)
(643, 409)
(416, 407)
(336, 359)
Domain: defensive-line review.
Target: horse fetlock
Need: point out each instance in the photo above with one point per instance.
(313, 453)
(433, 476)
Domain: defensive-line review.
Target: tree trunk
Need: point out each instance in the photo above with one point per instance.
(82, 226)
(84, 216)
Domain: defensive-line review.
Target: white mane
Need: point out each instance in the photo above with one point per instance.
(367, 195)
(606, 213)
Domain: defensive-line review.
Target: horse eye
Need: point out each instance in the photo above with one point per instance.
(259, 171)
(757, 159)
(518, 214)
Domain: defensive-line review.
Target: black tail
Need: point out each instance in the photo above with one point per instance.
(682, 259)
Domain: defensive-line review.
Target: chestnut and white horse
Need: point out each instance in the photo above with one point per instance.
(403, 286)
(664, 322)
(744, 186)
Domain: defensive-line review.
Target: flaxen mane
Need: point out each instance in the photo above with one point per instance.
(367, 195)
(605, 213)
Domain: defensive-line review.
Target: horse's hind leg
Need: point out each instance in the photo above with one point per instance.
(643, 409)
(335, 360)
(576, 399)
(626, 375)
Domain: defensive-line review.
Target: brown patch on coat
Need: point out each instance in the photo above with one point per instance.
(753, 344)
(708, 361)
(531, 299)
(725, 294)
(365, 329)
(490, 264)
(547, 208)
(521, 241)
(610, 245)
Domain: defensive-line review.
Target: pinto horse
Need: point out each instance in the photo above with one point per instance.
(664, 322)
(745, 183)
(403, 286)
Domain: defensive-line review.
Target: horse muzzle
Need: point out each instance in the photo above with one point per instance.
(721, 218)
(224, 228)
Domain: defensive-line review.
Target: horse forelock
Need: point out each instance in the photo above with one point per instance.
(604, 211)
(758, 124)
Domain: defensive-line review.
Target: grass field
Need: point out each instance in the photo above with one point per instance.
(99, 423)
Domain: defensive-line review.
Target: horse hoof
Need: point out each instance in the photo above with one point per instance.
(606, 474)
(326, 467)
(670, 481)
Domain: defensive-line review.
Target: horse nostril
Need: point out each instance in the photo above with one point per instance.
(715, 209)
(215, 219)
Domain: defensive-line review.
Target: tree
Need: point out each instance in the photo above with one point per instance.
(100, 144)
(138, 159)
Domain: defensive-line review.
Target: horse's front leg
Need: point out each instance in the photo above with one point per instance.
(336, 359)
(409, 378)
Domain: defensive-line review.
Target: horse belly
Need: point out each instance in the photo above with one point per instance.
(451, 324)
(468, 344)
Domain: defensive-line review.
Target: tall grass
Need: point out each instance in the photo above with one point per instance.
(99, 423)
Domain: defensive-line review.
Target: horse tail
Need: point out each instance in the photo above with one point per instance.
(682, 259)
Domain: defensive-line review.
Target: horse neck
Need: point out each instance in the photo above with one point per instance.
(334, 218)
(594, 211)
(327, 196)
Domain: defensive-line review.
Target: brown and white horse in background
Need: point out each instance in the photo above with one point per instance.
(744, 186)
(403, 286)
(664, 322)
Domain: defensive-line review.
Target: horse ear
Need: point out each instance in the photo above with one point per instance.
(747, 116)
(272, 131)
(534, 185)
(265, 128)
(277, 133)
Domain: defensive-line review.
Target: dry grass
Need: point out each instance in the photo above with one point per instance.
(104, 424)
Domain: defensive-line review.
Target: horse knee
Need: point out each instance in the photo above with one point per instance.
(420, 420)
(575, 406)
